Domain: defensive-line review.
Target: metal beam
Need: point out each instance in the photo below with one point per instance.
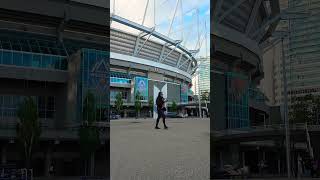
(138, 50)
(180, 57)
(162, 51)
(217, 10)
(183, 63)
(235, 6)
(253, 15)
(190, 62)
(161, 60)
(286, 14)
(148, 30)
(145, 12)
(174, 15)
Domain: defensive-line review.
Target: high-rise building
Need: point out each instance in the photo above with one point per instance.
(301, 52)
(201, 80)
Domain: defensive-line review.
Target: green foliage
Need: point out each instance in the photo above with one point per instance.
(89, 108)
(205, 96)
(304, 109)
(28, 127)
(119, 103)
(174, 106)
(151, 104)
(137, 102)
(88, 134)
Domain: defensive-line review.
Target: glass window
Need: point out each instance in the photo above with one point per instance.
(36, 60)
(17, 58)
(64, 64)
(7, 57)
(46, 61)
(27, 59)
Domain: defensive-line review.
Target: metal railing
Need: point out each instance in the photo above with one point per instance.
(273, 127)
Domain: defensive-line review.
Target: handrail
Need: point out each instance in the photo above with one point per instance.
(272, 127)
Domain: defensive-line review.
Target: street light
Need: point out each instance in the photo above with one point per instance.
(284, 34)
(199, 100)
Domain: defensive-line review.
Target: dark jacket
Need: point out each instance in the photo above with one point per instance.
(160, 103)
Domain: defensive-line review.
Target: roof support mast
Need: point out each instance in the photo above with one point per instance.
(174, 15)
(145, 12)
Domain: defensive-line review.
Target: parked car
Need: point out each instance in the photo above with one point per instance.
(171, 115)
(114, 116)
(181, 115)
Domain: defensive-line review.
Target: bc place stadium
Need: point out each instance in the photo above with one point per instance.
(148, 66)
(56, 52)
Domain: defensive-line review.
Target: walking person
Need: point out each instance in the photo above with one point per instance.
(161, 110)
(51, 170)
(300, 167)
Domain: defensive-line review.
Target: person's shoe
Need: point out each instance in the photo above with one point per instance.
(166, 127)
(157, 127)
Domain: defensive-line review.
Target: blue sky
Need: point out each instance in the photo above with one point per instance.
(188, 31)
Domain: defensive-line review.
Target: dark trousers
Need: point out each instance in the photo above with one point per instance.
(163, 116)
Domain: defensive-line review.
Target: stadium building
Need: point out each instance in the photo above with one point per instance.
(55, 52)
(237, 31)
(148, 65)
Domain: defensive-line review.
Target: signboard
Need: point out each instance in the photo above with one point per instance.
(184, 93)
(141, 86)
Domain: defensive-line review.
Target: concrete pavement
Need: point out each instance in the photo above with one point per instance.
(140, 152)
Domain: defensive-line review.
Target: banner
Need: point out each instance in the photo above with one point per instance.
(184, 93)
(141, 85)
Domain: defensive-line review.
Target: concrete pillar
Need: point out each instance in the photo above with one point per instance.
(4, 155)
(221, 159)
(72, 88)
(125, 113)
(47, 161)
(279, 166)
(243, 159)
(235, 154)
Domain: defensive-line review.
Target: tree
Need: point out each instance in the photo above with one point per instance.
(301, 111)
(119, 103)
(88, 133)
(137, 103)
(28, 127)
(174, 107)
(151, 106)
(316, 109)
(205, 96)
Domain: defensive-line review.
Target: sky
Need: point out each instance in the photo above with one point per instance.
(184, 26)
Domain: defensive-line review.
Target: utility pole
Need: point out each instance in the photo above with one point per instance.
(199, 94)
(285, 112)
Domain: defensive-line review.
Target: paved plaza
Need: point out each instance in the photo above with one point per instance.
(140, 152)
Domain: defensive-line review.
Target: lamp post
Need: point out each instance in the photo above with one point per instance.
(285, 112)
(199, 94)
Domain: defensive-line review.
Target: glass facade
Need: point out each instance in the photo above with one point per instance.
(9, 105)
(124, 93)
(184, 93)
(237, 98)
(29, 59)
(257, 95)
(204, 75)
(120, 80)
(94, 77)
(38, 51)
